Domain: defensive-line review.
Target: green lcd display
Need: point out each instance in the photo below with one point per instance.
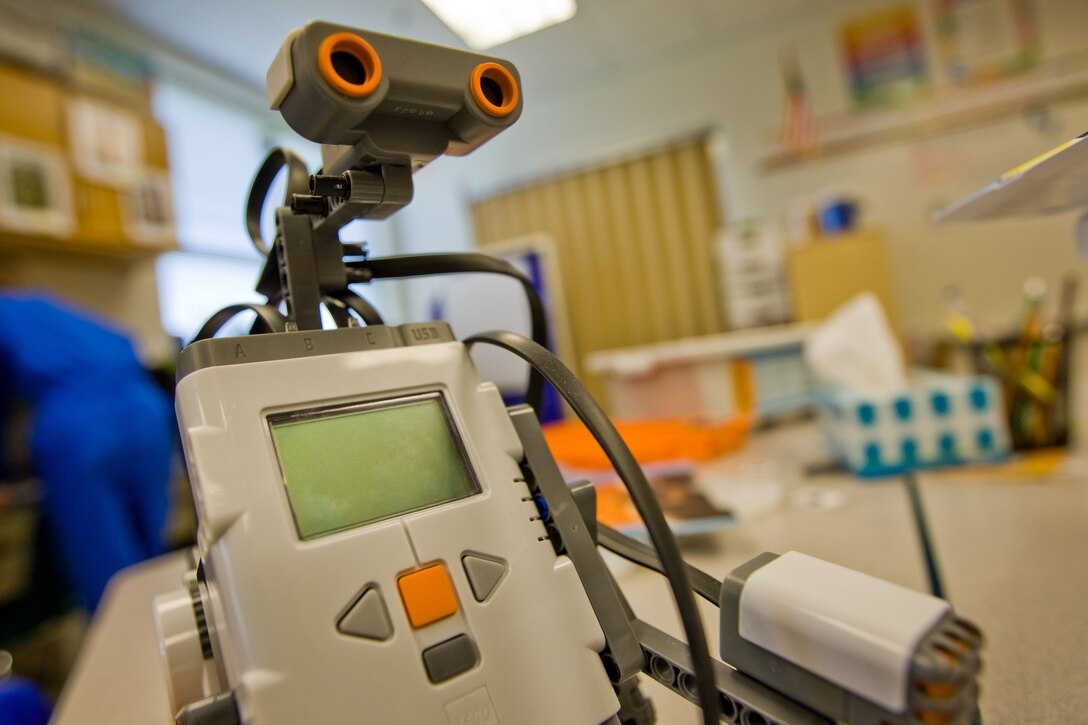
(353, 466)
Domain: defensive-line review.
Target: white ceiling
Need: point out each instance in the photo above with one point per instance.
(240, 38)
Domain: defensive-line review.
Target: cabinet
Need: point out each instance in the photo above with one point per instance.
(86, 233)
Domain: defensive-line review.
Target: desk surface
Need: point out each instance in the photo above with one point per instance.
(1012, 555)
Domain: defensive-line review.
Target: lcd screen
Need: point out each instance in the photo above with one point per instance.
(353, 466)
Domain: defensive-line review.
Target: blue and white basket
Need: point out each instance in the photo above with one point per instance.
(940, 420)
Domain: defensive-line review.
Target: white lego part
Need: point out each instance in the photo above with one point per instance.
(855, 630)
(179, 645)
(276, 600)
(281, 74)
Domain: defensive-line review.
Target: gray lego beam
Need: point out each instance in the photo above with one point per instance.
(608, 605)
(743, 699)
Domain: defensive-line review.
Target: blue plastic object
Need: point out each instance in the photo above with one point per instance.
(838, 216)
(542, 507)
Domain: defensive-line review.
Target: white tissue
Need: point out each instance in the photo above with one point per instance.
(856, 348)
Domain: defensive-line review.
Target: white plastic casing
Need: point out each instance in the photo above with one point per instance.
(179, 646)
(855, 630)
(276, 599)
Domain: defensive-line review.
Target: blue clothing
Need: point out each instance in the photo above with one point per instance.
(22, 703)
(101, 437)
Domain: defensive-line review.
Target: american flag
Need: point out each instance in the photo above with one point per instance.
(798, 132)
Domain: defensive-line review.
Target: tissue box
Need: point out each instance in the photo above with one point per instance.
(940, 420)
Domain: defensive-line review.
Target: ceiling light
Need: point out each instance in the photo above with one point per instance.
(484, 24)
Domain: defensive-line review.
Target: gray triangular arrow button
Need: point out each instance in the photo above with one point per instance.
(368, 618)
(483, 574)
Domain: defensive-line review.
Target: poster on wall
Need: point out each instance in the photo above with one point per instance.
(35, 188)
(148, 215)
(884, 56)
(982, 40)
(107, 143)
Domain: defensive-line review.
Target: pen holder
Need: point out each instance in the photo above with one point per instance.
(939, 420)
(1035, 381)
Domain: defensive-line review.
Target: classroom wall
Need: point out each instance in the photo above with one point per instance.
(730, 84)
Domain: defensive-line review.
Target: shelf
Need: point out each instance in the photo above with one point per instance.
(948, 110)
(121, 251)
(644, 359)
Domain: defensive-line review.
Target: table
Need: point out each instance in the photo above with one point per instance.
(1012, 555)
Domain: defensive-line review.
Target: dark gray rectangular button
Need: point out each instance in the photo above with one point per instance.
(450, 658)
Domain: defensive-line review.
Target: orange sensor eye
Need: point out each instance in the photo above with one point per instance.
(494, 89)
(349, 64)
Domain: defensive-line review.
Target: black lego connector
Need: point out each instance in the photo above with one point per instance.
(332, 187)
(309, 204)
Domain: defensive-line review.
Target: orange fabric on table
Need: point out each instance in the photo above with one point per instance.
(649, 440)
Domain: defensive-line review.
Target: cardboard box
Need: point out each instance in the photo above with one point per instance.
(831, 270)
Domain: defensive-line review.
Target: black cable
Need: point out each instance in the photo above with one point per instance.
(921, 525)
(675, 570)
(418, 265)
(298, 182)
(639, 553)
(268, 318)
(359, 305)
(337, 310)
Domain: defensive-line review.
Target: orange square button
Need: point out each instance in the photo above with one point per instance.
(428, 595)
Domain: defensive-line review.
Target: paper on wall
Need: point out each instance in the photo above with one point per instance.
(106, 142)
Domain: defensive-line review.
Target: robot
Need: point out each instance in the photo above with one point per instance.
(381, 539)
